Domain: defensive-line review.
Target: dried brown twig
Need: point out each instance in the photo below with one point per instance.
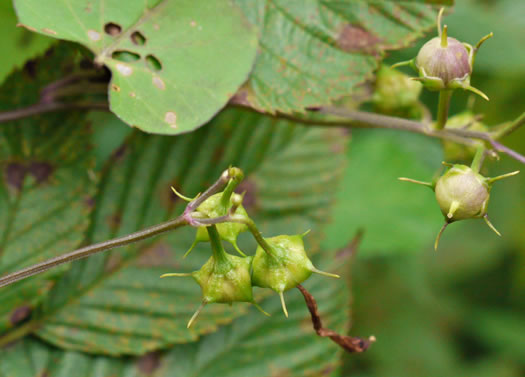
(348, 343)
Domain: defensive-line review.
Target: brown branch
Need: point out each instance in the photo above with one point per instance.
(363, 119)
(348, 343)
(42, 108)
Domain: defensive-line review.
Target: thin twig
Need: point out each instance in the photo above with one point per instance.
(77, 83)
(121, 241)
(512, 153)
(348, 343)
(42, 108)
(47, 93)
(461, 136)
(92, 249)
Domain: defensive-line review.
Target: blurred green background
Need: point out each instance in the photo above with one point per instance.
(459, 311)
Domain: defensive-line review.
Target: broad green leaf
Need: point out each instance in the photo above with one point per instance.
(18, 44)
(396, 216)
(312, 52)
(174, 63)
(290, 346)
(115, 303)
(45, 187)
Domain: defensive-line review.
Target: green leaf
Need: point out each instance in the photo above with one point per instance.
(174, 64)
(18, 44)
(115, 303)
(312, 52)
(396, 216)
(45, 188)
(290, 345)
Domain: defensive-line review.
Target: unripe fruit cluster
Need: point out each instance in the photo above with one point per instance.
(280, 263)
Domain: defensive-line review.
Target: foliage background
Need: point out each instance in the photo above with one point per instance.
(458, 312)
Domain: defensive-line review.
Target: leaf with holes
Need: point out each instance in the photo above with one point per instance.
(115, 303)
(290, 346)
(312, 52)
(44, 190)
(18, 44)
(175, 63)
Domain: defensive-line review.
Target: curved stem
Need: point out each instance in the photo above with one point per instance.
(254, 231)
(92, 249)
(443, 106)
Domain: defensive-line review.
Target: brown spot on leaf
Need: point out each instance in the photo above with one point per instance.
(158, 82)
(240, 98)
(119, 153)
(114, 220)
(167, 197)
(250, 198)
(30, 68)
(124, 69)
(357, 39)
(279, 372)
(90, 202)
(113, 262)
(94, 35)
(20, 314)
(149, 363)
(41, 171)
(115, 88)
(243, 97)
(171, 118)
(15, 173)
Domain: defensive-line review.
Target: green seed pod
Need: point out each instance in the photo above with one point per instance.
(465, 120)
(224, 278)
(444, 63)
(285, 267)
(444, 58)
(396, 94)
(462, 193)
